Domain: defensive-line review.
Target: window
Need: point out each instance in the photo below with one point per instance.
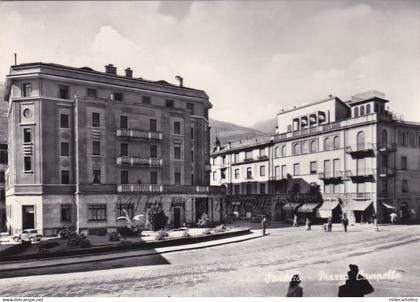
(177, 178)
(96, 176)
(27, 89)
(192, 155)
(152, 125)
(124, 177)
(123, 122)
(296, 148)
(403, 162)
(384, 138)
(262, 170)
(248, 188)
(283, 151)
(336, 142)
(2, 178)
(27, 163)
(146, 100)
(214, 175)
(27, 137)
(283, 171)
(276, 172)
(237, 189)
(91, 93)
(360, 140)
(236, 173)
(296, 169)
(326, 144)
(169, 103)
(192, 133)
(153, 177)
(177, 128)
(305, 147)
(177, 152)
(277, 152)
(313, 146)
(248, 155)
(190, 108)
(236, 157)
(404, 185)
(3, 154)
(65, 177)
(336, 167)
(65, 149)
(124, 149)
(327, 167)
(261, 152)
(118, 96)
(368, 109)
(192, 179)
(66, 212)
(356, 111)
(248, 173)
(362, 110)
(262, 188)
(63, 92)
(96, 119)
(97, 212)
(64, 121)
(96, 148)
(153, 151)
(313, 167)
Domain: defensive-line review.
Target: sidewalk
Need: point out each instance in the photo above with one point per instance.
(26, 264)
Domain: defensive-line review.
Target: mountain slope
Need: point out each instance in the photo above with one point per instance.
(267, 126)
(229, 132)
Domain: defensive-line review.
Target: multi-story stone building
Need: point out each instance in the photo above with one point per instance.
(3, 163)
(87, 145)
(325, 159)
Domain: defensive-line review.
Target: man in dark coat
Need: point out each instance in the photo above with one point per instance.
(264, 225)
(356, 285)
(345, 222)
(329, 223)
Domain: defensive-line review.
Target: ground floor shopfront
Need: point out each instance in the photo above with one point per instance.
(98, 213)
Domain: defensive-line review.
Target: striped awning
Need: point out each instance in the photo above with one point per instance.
(388, 206)
(357, 205)
(290, 206)
(325, 210)
(308, 207)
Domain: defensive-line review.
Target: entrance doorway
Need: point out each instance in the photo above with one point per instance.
(177, 218)
(28, 217)
(201, 206)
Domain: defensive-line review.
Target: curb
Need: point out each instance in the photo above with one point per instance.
(79, 261)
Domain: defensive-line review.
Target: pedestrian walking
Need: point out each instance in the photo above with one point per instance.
(308, 224)
(264, 225)
(329, 224)
(294, 290)
(393, 217)
(295, 220)
(345, 222)
(356, 285)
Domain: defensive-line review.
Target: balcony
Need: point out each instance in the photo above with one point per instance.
(360, 175)
(141, 134)
(385, 172)
(361, 150)
(335, 175)
(387, 147)
(139, 162)
(169, 189)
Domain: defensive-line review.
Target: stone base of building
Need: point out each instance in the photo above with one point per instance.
(98, 213)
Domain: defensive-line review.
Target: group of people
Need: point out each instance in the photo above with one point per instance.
(356, 285)
(326, 227)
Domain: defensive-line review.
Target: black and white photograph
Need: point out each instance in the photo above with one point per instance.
(209, 149)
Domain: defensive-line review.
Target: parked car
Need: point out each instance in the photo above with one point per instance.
(28, 235)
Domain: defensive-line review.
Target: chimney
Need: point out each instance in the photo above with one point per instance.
(128, 72)
(111, 69)
(181, 80)
(230, 144)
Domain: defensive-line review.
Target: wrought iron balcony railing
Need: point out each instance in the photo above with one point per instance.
(138, 161)
(141, 134)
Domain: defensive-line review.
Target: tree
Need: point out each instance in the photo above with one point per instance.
(157, 217)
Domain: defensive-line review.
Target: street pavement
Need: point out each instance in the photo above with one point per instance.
(257, 267)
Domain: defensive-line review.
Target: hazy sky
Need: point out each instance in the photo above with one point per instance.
(252, 58)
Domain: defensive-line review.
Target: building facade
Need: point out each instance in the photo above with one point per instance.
(327, 158)
(88, 146)
(3, 163)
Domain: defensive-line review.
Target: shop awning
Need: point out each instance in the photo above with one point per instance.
(357, 205)
(388, 206)
(308, 207)
(290, 206)
(325, 210)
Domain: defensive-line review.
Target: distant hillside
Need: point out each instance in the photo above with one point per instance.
(267, 126)
(229, 132)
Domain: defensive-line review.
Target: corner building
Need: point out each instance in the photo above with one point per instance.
(87, 145)
(364, 160)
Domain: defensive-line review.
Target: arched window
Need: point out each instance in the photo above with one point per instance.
(326, 144)
(384, 138)
(295, 148)
(362, 110)
(283, 151)
(360, 140)
(305, 147)
(404, 139)
(356, 111)
(368, 109)
(277, 152)
(336, 142)
(313, 146)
